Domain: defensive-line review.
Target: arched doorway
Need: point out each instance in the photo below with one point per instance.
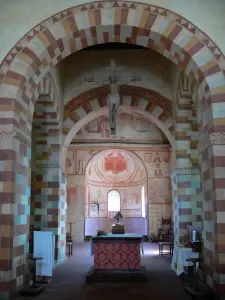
(48, 43)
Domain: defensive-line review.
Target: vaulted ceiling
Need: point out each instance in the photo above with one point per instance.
(152, 94)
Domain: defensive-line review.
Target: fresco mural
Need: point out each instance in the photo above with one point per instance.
(129, 125)
(71, 193)
(159, 190)
(115, 169)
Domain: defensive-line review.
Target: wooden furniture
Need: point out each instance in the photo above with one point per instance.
(69, 248)
(69, 245)
(117, 257)
(34, 289)
(118, 229)
(165, 228)
(196, 289)
(166, 223)
(167, 242)
(194, 261)
(68, 237)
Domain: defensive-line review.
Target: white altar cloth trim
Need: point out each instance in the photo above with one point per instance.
(180, 254)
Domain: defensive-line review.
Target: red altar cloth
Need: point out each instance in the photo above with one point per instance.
(117, 255)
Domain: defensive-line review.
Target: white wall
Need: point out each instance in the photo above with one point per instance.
(17, 17)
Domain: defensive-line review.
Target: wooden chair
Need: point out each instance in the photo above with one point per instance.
(166, 223)
(168, 242)
(165, 228)
(69, 248)
(69, 245)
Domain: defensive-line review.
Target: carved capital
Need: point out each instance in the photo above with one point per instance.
(215, 138)
(22, 138)
(65, 175)
(6, 135)
(47, 166)
(184, 171)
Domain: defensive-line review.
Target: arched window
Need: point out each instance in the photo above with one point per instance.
(143, 212)
(113, 200)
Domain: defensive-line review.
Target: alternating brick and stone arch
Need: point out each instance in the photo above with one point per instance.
(104, 111)
(130, 96)
(102, 22)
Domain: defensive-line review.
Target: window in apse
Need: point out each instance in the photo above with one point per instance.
(143, 202)
(113, 201)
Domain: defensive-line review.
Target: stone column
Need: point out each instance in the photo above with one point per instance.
(186, 188)
(186, 175)
(213, 186)
(50, 205)
(15, 155)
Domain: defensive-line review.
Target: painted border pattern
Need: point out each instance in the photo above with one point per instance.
(159, 11)
(82, 26)
(144, 99)
(129, 22)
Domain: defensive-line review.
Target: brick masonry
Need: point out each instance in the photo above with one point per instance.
(132, 96)
(49, 196)
(186, 177)
(76, 28)
(49, 188)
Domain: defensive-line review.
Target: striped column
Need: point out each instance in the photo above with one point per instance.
(186, 177)
(15, 155)
(49, 191)
(213, 186)
(186, 188)
(50, 205)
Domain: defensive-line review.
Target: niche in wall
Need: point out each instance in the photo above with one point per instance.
(156, 160)
(116, 175)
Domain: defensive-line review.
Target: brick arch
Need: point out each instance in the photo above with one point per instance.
(103, 111)
(47, 119)
(47, 86)
(131, 96)
(101, 22)
(78, 27)
(186, 125)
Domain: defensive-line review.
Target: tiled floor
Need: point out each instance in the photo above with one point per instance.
(69, 280)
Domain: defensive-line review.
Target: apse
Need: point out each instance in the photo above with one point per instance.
(115, 175)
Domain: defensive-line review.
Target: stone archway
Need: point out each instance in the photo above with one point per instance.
(102, 22)
(130, 96)
(146, 25)
(48, 208)
(164, 127)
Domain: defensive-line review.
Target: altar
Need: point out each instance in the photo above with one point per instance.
(117, 257)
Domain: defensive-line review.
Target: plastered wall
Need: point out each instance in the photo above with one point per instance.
(155, 159)
(153, 68)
